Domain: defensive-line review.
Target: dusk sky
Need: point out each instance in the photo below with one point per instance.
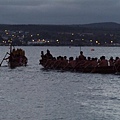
(59, 11)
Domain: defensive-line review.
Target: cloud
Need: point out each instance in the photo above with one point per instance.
(58, 11)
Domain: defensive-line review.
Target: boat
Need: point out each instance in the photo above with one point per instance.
(16, 58)
(101, 70)
(16, 62)
(66, 66)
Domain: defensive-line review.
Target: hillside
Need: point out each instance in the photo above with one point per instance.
(63, 28)
(103, 25)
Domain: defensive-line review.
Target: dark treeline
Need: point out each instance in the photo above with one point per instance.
(106, 26)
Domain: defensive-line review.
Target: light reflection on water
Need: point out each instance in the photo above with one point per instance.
(32, 93)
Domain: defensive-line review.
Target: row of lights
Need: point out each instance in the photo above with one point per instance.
(43, 40)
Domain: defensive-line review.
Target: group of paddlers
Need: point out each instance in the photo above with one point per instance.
(17, 57)
(81, 62)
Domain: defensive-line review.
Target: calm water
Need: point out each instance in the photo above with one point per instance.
(31, 93)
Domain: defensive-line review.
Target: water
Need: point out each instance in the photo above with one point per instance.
(32, 93)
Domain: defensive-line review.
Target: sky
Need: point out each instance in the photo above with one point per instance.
(59, 12)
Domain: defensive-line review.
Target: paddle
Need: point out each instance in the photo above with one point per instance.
(3, 59)
(116, 68)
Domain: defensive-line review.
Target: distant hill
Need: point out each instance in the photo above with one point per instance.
(110, 25)
(62, 28)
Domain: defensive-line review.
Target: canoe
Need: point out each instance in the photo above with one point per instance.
(15, 64)
(101, 70)
(16, 58)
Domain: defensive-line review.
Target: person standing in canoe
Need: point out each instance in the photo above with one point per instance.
(48, 55)
(81, 56)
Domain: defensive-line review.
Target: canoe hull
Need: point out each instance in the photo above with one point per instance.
(13, 65)
(101, 70)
